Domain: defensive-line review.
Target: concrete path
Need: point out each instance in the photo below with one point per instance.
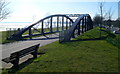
(16, 46)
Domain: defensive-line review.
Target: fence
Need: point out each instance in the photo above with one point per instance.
(11, 31)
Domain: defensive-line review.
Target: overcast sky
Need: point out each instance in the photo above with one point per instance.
(34, 10)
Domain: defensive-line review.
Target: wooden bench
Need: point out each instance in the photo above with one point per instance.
(14, 57)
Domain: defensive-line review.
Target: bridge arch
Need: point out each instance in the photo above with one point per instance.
(62, 22)
(82, 24)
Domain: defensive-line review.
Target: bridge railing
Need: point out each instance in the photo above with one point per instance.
(82, 24)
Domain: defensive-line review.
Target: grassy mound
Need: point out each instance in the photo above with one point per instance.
(96, 34)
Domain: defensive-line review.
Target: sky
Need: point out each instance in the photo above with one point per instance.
(34, 10)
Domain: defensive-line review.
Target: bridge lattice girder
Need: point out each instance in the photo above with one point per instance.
(66, 34)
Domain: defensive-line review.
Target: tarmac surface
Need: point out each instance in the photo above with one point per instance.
(9, 48)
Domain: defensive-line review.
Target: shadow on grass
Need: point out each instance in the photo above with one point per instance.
(13, 70)
(22, 65)
(99, 38)
(91, 39)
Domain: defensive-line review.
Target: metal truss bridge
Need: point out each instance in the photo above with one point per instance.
(68, 25)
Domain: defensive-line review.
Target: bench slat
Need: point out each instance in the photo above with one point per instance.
(27, 50)
(21, 53)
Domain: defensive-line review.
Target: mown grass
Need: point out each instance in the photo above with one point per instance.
(94, 34)
(77, 56)
(81, 56)
(114, 40)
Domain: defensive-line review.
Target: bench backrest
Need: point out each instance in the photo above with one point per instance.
(24, 52)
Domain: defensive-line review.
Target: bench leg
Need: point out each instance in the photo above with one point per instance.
(34, 54)
(15, 63)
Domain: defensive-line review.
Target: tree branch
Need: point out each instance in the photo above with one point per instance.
(4, 12)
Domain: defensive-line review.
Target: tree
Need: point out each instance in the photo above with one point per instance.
(103, 12)
(118, 19)
(101, 6)
(110, 14)
(107, 15)
(4, 12)
(97, 20)
(118, 22)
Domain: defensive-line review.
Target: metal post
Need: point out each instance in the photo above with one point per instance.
(85, 25)
(88, 24)
(82, 25)
(30, 33)
(70, 24)
(57, 23)
(51, 25)
(42, 29)
(62, 23)
(79, 28)
(48, 23)
(66, 24)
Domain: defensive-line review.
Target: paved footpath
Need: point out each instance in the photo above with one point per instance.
(16, 46)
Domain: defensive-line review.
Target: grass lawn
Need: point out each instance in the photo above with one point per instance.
(84, 55)
(77, 56)
(94, 34)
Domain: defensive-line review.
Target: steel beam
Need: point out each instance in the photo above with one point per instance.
(57, 23)
(30, 33)
(85, 24)
(66, 24)
(62, 23)
(82, 25)
(42, 28)
(79, 28)
(88, 26)
(51, 25)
